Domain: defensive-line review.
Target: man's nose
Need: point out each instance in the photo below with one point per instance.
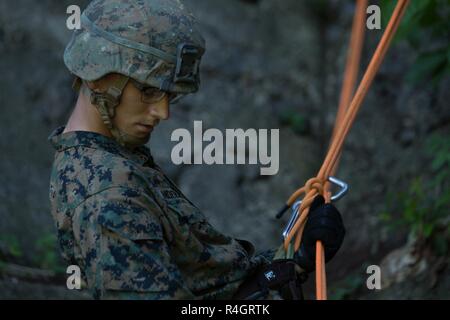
(160, 110)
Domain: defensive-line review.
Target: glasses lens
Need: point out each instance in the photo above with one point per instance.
(152, 95)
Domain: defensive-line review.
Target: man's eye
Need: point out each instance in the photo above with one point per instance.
(152, 95)
(149, 92)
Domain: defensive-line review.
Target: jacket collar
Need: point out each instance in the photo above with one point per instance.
(62, 141)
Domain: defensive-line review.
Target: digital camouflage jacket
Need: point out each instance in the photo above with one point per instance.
(132, 231)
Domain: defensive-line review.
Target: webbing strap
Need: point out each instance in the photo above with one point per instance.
(89, 25)
(106, 102)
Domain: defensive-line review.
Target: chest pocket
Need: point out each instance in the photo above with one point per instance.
(177, 203)
(190, 220)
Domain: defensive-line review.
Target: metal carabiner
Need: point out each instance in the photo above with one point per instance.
(340, 183)
(296, 205)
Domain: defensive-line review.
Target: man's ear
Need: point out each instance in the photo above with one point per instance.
(76, 84)
(84, 89)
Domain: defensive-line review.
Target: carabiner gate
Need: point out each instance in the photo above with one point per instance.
(296, 205)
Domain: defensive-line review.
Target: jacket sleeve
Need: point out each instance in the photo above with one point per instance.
(122, 248)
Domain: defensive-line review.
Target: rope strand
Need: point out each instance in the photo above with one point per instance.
(345, 118)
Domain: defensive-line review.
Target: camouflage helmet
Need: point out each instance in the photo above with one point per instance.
(155, 42)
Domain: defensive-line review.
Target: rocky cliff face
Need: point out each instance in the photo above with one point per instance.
(266, 61)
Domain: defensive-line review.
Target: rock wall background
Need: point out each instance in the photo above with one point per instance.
(265, 60)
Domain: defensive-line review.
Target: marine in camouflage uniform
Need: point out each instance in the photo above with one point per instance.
(132, 231)
(129, 228)
(119, 217)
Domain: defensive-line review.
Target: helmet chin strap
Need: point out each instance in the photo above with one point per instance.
(127, 140)
(106, 103)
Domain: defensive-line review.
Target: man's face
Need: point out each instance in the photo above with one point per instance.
(136, 117)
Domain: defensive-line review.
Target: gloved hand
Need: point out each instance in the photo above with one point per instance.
(325, 224)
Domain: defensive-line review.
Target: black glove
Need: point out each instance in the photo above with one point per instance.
(325, 224)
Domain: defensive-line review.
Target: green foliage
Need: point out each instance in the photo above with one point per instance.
(439, 147)
(11, 245)
(426, 27)
(296, 121)
(346, 287)
(425, 203)
(418, 211)
(47, 253)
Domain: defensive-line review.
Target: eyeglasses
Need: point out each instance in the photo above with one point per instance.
(152, 95)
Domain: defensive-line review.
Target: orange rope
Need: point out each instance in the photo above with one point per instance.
(321, 284)
(352, 65)
(348, 87)
(346, 116)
